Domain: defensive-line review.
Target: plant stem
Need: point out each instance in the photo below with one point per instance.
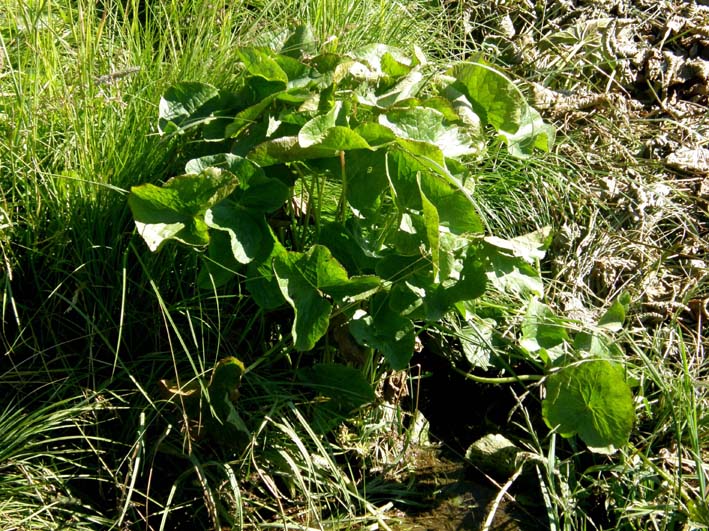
(500, 380)
(342, 207)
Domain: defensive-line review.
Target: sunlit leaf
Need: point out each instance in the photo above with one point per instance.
(259, 62)
(184, 104)
(428, 125)
(176, 210)
(286, 149)
(509, 273)
(593, 400)
(533, 132)
(384, 60)
(494, 98)
(476, 341)
(416, 167)
(614, 317)
(247, 231)
(541, 329)
(323, 131)
(530, 247)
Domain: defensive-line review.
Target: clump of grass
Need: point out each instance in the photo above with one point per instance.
(46, 447)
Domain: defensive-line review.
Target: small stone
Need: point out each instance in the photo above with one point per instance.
(494, 454)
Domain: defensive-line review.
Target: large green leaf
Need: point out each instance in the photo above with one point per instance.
(406, 88)
(407, 298)
(259, 62)
(476, 342)
(286, 149)
(315, 130)
(248, 116)
(340, 138)
(375, 134)
(346, 248)
(176, 210)
(247, 230)
(366, 179)
(184, 104)
(388, 332)
(323, 131)
(509, 272)
(384, 60)
(305, 279)
(495, 99)
(415, 167)
(530, 247)
(532, 133)
(431, 221)
(541, 329)
(464, 111)
(258, 192)
(593, 400)
(597, 345)
(255, 190)
(409, 237)
(242, 218)
(261, 281)
(225, 161)
(428, 125)
(471, 283)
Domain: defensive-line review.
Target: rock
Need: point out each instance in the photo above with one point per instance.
(497, 456)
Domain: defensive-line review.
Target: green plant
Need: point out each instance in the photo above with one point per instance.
(390, 135)
(42, 448)
(366, 159)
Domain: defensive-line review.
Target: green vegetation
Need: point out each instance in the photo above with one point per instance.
(241, 239)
